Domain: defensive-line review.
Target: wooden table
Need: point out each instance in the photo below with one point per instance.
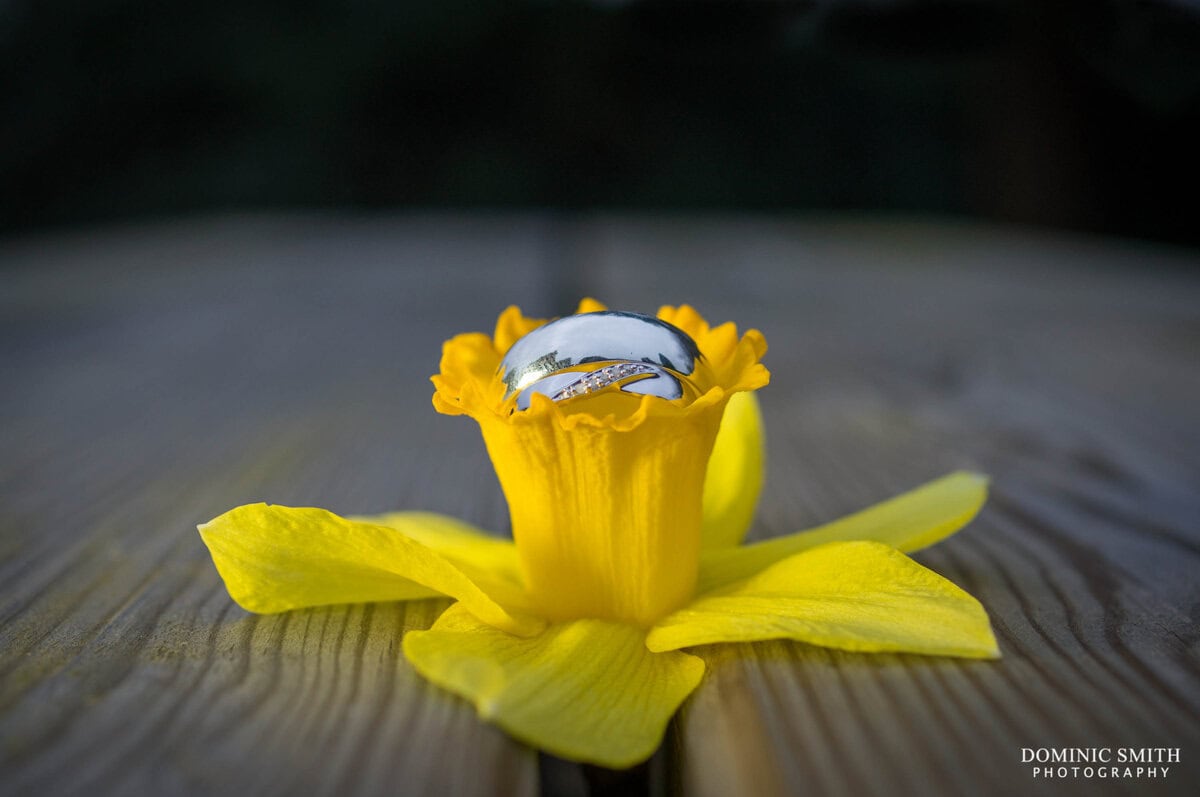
(155, 376)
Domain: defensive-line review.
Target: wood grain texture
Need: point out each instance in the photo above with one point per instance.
(157, 376)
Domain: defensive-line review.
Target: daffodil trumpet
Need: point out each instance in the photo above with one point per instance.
(628, 509)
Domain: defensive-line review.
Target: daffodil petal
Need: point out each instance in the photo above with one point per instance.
(277, 558)
(735, 473)
(908, 522)
(587, 690)
(490, 562)
(862, 596)
(589, 305)
(511, 326)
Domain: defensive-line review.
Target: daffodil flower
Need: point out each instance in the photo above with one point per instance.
(626, 552)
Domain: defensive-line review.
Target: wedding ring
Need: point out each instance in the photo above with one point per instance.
(583, 354)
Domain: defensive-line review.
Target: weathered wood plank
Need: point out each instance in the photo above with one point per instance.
(155, 377)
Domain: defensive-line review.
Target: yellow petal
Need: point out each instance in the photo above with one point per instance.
(590, 305)
(464, 358)
(490, 562)
(860, 596)
(511, 326)
(735, 473)
(908, 522)
(587, 690)
(277, 558)
(728, 359)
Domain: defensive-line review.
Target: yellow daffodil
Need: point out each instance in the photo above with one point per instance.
(626, 551)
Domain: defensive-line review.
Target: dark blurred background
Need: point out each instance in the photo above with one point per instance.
(1075, 115)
